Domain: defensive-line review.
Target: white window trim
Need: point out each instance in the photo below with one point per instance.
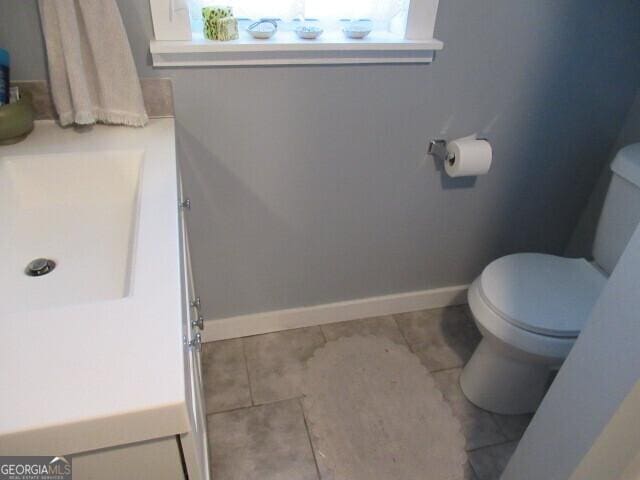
(174, 47)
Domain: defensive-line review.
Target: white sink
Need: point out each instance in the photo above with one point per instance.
(78, 210)
(92, 353)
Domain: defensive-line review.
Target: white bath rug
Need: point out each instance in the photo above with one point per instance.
(375, 413)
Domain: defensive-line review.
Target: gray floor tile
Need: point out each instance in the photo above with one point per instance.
(384, 326)
(478, 426)
(513, 426)
(442, 338)
(224, 372)
(268, 442)
(276, 362)
(489, 462)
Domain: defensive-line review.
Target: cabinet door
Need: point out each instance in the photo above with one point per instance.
(157, 459)
(194, 443)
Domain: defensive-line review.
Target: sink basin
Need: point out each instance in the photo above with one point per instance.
(78, 210)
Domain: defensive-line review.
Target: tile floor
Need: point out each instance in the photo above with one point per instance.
(257, 427)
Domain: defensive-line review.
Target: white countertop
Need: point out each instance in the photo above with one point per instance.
(87, 376)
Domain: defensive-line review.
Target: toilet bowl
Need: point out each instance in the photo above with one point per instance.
(531, 307)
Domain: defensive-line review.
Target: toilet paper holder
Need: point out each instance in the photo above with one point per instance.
(438, 148)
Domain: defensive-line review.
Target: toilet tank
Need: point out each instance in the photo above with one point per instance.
(621, 211)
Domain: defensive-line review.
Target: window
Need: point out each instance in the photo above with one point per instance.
(402, 33)
(386, 15)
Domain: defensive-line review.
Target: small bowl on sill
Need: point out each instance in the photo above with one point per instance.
(308, 32)
(263, 30)
(358, 29)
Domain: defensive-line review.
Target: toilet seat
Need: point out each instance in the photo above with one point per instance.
(543, 294)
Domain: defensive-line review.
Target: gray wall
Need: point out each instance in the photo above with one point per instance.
(583, 236)
(601, 370)
(312, 184)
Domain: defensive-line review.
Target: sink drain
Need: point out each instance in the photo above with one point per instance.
(39, 267)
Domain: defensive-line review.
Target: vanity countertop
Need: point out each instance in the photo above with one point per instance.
(83, 376)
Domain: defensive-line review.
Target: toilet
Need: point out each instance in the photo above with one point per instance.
(531, 307)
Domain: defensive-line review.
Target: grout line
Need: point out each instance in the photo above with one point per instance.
(494, 420)
(402, 334)
(499, 425)
(497, 444)
(278, 401)
(306, 426)
(473, 470)
(230, 410)
(235, 409)
(246, 368)
(446, 369)
(323, 334)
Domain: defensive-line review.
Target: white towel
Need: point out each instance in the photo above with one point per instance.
(91, 70)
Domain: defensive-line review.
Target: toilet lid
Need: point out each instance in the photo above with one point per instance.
(543, 293)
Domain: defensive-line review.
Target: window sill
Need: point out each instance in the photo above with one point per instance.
(285, 48)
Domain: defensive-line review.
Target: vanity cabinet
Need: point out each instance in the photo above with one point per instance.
(184, 455)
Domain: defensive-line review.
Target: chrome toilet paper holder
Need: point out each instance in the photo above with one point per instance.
(438, 149)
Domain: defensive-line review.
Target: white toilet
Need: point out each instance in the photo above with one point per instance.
(531, 307)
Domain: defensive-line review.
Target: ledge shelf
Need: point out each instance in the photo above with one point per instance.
(285, 48)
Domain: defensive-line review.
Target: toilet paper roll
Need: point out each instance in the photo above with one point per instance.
(468, 157)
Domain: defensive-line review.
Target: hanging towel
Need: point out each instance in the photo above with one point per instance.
(91, 70)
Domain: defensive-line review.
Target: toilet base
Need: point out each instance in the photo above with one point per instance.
(499, 383)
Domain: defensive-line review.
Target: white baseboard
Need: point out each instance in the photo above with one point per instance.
(257, 323)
